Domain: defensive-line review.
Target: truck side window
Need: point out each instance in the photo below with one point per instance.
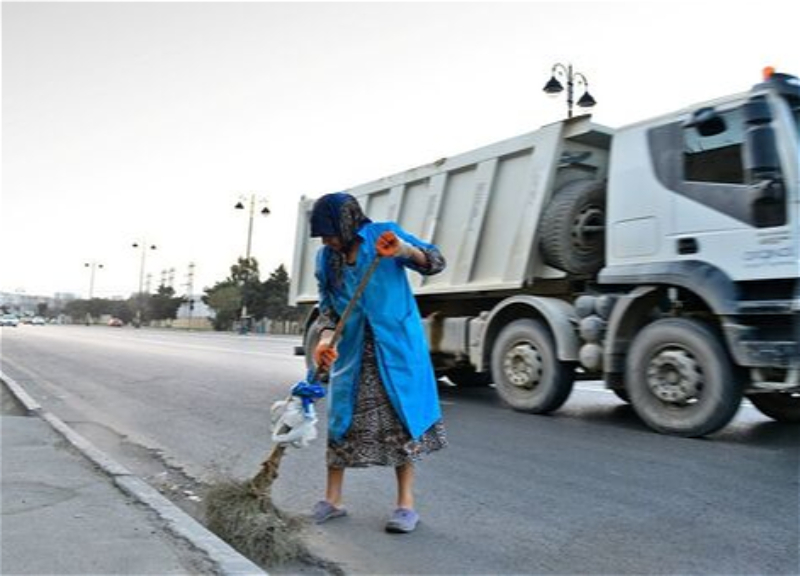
(715, 158)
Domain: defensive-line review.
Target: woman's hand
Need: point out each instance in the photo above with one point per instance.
(325, 355)
(389, 245)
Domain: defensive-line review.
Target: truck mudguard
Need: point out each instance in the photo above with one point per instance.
(628, 315)
(708, 282)
(559, 316)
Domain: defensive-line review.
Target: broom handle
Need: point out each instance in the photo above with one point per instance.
(337, 333)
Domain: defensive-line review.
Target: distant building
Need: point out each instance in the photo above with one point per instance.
(28, 305)
(65, 296)
(196, 317)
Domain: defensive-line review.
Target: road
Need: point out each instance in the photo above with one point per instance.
(588, 490)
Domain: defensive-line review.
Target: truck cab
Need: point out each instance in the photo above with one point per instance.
(716, 183)
(704, 210)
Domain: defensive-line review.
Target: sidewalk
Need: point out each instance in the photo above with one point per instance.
(69, 509)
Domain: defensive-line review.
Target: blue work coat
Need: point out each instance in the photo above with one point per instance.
(401, 347)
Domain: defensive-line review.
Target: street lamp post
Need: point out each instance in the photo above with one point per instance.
(93, 266)
(144, 247)
(190, 293)
(252, 210)
(572, 78)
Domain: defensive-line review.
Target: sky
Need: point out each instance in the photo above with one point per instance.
(147, 122)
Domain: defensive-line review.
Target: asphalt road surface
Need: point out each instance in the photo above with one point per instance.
(587, 490)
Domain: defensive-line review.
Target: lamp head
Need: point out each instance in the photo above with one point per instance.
(239, 206)
(553, 86)
(586, 101)
(265, 211)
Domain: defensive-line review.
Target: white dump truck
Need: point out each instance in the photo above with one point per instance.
(662, 257)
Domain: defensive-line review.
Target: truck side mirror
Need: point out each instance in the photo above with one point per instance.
(762, 165)
(707, 122)
(761, 157)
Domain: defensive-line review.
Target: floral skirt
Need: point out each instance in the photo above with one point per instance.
(376, 436)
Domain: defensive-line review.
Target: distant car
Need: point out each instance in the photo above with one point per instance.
(9, 320)
(116, 322)
(38, 321)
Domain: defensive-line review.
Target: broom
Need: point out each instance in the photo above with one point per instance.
(242, 512)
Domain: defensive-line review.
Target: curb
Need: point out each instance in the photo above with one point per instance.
(226, 559)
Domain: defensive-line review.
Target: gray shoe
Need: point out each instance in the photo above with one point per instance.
(324, 511)
(402, 521)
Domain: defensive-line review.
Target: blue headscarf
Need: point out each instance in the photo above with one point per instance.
(340, 215)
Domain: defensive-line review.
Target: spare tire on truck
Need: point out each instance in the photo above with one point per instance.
(572, 234)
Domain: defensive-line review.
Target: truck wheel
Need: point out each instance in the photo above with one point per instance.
(468, 378)
(526, 370)
(783, 407)
(680, 378)
(572, 236)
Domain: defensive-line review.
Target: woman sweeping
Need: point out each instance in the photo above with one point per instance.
(383, 403)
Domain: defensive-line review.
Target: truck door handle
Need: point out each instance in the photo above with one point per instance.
(688, 246)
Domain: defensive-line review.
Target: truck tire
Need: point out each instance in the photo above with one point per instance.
(572, 236)
(468, 378)
(783, 407)
(680, 378)
(526, 371)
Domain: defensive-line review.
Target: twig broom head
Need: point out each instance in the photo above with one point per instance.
(242, 514)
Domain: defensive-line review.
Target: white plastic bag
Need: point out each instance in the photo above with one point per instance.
(291, 425)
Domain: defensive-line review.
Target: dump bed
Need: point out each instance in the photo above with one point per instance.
(481, 208)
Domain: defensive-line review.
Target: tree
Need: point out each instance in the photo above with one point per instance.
(245, 274)
(245, 271)
(163, 305)
(122, 309)
(83, 310)
(239, 289)
(79, 310)
(275, 294)
(268, 299)
(225, 299)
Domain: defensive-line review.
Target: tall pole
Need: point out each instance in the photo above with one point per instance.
(251, 217)
(250, 226)
(249, 246)
(93, 267)
(91, 281)
(189, 292)
(144, 247)
(570, 86)
(141, 266)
